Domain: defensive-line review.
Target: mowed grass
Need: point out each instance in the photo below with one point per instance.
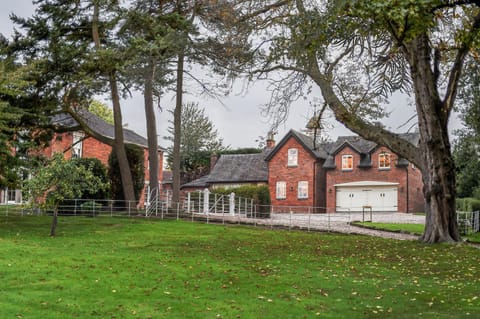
(138, 268)
(411, 228)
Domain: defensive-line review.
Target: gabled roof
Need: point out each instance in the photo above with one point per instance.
(357, 143)
(240, 168)
(100, 126)
(317, 151)
(362, 147)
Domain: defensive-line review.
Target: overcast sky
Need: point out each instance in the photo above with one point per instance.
(237, 118)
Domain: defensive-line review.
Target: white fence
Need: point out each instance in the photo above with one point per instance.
(468, 222)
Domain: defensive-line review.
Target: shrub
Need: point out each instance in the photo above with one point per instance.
(260, 195)
(90, 207)
(99, 170)
(468, 204)
(135, 160)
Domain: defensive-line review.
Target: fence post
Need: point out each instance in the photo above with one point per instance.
(290, 224)
(206, 195)
(178, 210)
(75, 208)
(232, 203)
(188, 202)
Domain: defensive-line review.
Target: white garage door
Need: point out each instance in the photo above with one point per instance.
(382, 198)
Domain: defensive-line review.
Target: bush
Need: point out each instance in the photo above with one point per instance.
(90, 207)
(99, 170)
(468, 204)
(259, 194)
(135, 161)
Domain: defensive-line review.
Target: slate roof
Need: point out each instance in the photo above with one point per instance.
(235, 168)
(318, 151)
(197, 183)
(240, 168)
(100, 126)
(364, 148)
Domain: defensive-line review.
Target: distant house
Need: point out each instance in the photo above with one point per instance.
(74, 142)
(233, 170)
(348, 175)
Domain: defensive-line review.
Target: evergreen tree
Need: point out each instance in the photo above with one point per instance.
(198, 140)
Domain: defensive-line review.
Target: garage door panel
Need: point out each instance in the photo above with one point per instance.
(355, 198)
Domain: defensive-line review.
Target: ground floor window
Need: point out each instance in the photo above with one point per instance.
(302, 189)
(281, 190)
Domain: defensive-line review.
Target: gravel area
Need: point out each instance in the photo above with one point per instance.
(336, 222)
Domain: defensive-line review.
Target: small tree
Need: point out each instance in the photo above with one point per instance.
(61, 179)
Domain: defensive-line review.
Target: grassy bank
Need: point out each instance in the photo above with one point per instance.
(136, 268)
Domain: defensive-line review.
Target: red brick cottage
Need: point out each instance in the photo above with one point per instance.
(75, 143)
(346, 175)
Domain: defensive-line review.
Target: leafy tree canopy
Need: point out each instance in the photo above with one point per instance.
(59, 180)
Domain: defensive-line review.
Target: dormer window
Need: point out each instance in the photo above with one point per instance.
(384, 161)
(347, 162)
(292, 157)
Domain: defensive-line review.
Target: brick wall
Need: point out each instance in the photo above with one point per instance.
(416, 200)
(278, 170)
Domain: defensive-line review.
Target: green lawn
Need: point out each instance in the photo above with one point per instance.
(396, 227)
(137, 268)
(410, 228)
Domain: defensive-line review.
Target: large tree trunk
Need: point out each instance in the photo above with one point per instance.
(438, 169)
(177, 124)
(151, 130)
(118, 145)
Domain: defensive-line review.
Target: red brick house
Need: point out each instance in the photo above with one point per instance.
(75, 143)
(346, 175)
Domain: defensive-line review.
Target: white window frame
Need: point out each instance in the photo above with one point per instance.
(346, 160)
(281, 190)
(302, 190)
(382, 163)
(77, 144)
(292, 159)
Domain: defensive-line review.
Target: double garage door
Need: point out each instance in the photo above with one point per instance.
(380, 197)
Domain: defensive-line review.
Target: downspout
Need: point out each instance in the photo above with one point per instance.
(407, 190)
(314, 186)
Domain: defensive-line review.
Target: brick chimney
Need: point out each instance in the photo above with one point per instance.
(213, 160)
(270, 140)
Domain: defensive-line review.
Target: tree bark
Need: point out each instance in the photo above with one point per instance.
(53, 229)
(177, 128)
(151, 129)
(438, 166)
(118, 145)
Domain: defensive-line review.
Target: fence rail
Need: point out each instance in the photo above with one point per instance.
(290, 217)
